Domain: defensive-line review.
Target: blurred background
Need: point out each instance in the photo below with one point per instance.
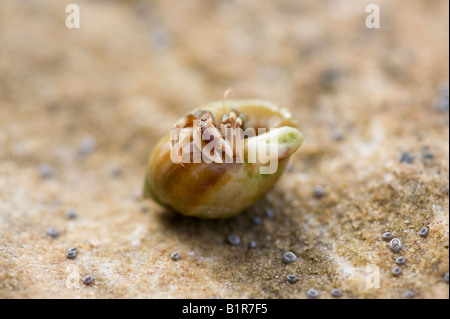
(81, 108)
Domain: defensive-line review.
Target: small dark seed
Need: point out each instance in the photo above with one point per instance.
(318, 192)
(428, 156)
(256, 220)
(407, 158)
(175, 255)
(52, 232)
(312, 293)
(388, 236)
(442, 103)
(400, 260)
(396, 271)
(89, 279)
(116, 172)
(337, 136)
(446, 277)
(71, 214)
(423, 232)
(72, 253)
(252, 244)
(233, 240)
(45, 171)
(336, 292)
(144, 209)
(87, 146)
(289, 257)
(409, 294)
(269, 213)
(292, 279)
(395, 245)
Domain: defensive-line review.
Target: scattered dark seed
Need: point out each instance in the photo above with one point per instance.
(336, 292)
(52, 232)
(407, 158)
(144, 209)
(252, 244)
(292, 279)
(175, 255)
(89, 279)
(388, 236)
(233, 240)
(45, 171)
(395, 245)
(423, 232)
(410, 294)
(318, 192)
(87, 146)
(400, 260)
(446, 277)
(329, 78)
(269, 213)
(71, 214)
(312, 293)
(289, 257)
(396, 271)
(337, 136)
(160, 39)
(256, 220)
(72, 253)
(442, 103)
(428, 156)
(116, 172)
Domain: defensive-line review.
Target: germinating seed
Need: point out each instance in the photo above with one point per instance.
(291, 279)
(175, 255)
(312, 293)
(423, 232)
(289, 257)
(396, 271)
(233, 240)
(400, 260)
(89, 279)
(388, 236)
(395, 245)
(52, 232)
(336, 292)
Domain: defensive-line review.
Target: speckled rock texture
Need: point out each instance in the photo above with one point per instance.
(80, 110)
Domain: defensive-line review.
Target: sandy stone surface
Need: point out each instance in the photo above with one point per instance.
(80, 110)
